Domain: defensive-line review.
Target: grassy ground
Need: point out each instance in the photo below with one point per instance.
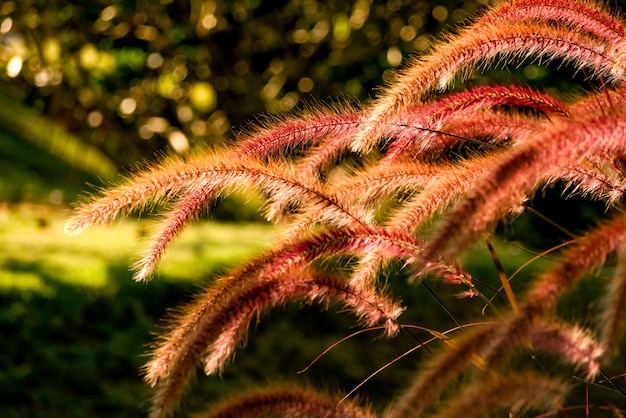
(73, 323)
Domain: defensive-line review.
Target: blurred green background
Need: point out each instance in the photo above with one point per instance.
(91, 90)
(135, 78)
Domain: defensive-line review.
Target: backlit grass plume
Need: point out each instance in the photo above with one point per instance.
(416, 177)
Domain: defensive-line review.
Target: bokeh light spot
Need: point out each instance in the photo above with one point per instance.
(154, 60)
(440, 13)
(178, 141)
(14, 66)
(95, 119)
(128, 106)
(203, 96)
(394, 56)
(305, 84)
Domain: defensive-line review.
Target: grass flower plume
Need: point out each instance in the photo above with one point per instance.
(441, 162)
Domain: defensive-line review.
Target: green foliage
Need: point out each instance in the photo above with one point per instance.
(131, 77)
(75, 326)
(33, 174)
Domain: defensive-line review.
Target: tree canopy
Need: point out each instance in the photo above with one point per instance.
(136, 77)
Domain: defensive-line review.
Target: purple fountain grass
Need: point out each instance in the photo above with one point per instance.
(325, 155)
(582, 256)
(440, 184)
(375, 184)
(429, 381)
(280, 135)
(187, 208)
(483, 43)
(177, 177)
(368, 306)
(524, 170)
(197, 181)
(605, 102)
(512, 391)
(586, 16)
(289, 401)
(451, 184)
(172, 178)
(301, 253)
(422, 121)
(595, 178)
(219, 321)
(436, 170)
(483, 128)
(391, 244)
(613, 317)
(570, 344)
(459, 103)
(588, 252)
(437, 117)
(272, 138)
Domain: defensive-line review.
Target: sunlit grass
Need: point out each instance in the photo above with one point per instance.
(33, 242)
(36, 253)
(211, 245)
